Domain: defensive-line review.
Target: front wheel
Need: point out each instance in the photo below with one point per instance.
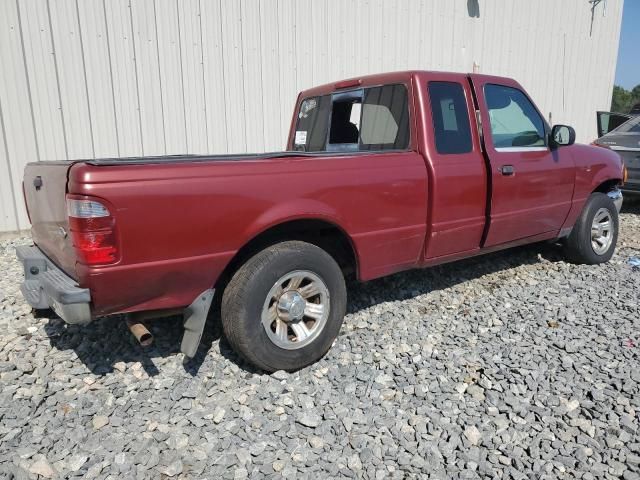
(594, 236)
(284, 307)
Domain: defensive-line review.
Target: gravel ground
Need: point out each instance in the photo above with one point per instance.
(513, 365)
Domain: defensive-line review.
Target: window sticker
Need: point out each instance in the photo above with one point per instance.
(308, 105)
(301, 137)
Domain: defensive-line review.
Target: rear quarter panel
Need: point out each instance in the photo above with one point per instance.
(181, 223)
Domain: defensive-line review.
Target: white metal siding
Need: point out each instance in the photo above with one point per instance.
(85, 78)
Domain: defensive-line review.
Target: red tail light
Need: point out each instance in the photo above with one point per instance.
(93, 230)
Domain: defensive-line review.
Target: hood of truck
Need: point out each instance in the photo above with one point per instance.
(45, 189)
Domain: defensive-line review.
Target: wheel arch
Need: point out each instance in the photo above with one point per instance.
(319, 231)
(606, 186)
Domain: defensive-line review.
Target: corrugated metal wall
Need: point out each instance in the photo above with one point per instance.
(94, 78)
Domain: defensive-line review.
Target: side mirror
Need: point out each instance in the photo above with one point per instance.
(562, 135)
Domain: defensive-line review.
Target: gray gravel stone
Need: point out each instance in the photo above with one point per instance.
(173, 469)
(100, 421)
(280, 375)
(75, 462)
(42, 467)
(309, 419)
(473, 435)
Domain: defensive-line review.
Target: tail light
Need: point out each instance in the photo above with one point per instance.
(625, 174)
(93, 230)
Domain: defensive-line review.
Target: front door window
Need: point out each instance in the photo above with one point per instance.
(515, 123)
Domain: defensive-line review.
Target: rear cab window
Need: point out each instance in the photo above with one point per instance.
(313, 124)
(366, 119)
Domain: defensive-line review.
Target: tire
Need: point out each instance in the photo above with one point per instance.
(579, 246)
(264, 288)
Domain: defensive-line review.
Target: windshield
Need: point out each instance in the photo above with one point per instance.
(632, 126)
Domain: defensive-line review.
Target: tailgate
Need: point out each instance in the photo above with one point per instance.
(45, 188)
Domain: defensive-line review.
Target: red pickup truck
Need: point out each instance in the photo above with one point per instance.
(382, 173)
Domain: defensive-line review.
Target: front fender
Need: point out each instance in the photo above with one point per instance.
(598, 165)
(595, 166)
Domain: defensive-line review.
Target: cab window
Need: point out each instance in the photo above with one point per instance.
(385, 118)
(515, 122)
(313, 123)
(450, 118)
(375, 118)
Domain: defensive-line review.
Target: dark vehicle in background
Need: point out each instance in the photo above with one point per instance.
(608, 121)
(625, 140)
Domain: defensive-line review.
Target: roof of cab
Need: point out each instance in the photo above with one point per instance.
(387, 78)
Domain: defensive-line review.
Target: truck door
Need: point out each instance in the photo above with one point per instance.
(531, 184)
(459, 180)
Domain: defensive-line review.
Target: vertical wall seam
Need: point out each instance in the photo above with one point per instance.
(11, 176)
(242, 68)
(135, 69)
(204, 83)
(281, 114)
(113, 91)
(564, 60)
(184, 103)
(224, 82)
(55, 67)
(295, 45)
(164, 128)
(264, 133)
(28, 79)
(86, 83)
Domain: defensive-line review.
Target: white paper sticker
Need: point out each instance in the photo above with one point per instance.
(301, 137)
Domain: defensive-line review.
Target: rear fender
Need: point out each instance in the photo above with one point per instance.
(300, 209)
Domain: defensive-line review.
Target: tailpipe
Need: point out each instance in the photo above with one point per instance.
(139, 331)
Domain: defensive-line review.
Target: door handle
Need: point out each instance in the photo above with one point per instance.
(507, 170)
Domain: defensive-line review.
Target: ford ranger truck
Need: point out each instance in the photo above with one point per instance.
(381, 174)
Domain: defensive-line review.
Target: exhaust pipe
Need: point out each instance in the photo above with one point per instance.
(134, 322)
(139, 331)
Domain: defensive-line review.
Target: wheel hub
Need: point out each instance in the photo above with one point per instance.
(291, 306)
(296, 309)
(601, 231)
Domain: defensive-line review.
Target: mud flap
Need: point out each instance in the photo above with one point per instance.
(195, 316)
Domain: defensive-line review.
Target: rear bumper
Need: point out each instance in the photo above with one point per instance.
(46, 286)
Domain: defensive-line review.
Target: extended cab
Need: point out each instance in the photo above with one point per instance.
(381, 174)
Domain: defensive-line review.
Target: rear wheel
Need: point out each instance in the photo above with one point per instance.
(594, 236)
(284, 307)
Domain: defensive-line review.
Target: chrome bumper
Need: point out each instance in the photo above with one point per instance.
(616, 196)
